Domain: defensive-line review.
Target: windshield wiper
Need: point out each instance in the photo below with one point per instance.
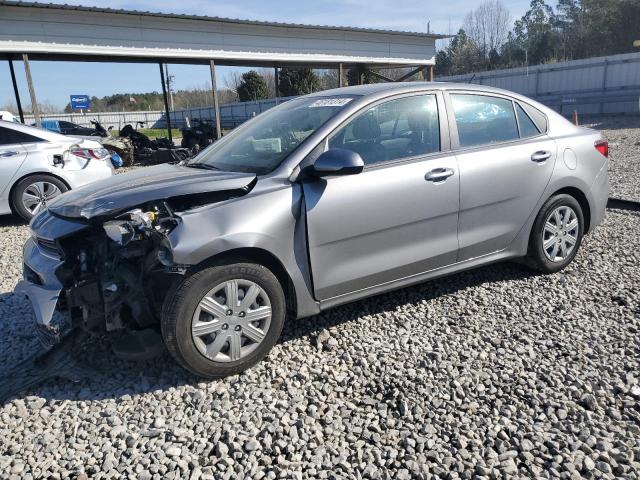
(204, 166)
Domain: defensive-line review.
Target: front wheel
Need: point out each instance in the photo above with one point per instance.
(223, 319)
(557, 234)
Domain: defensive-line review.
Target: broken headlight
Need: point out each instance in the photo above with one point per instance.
(137, 223)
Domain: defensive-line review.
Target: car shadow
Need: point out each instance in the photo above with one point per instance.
(12, 221)
(107, 376)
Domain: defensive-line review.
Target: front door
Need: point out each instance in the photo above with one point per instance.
(398, 217)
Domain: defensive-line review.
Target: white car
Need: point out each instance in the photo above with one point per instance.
(37, 166)
(8, 116)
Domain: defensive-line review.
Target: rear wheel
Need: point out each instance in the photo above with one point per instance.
(31, 194)
(224, 319)
(557, 234)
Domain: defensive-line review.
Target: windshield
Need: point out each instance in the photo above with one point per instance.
(262, 144)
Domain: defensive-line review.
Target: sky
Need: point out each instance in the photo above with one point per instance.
(55, 81)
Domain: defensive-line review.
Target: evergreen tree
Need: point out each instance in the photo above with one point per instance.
(299, 81)
(252, 87)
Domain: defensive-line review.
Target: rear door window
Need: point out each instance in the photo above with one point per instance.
(483, 119)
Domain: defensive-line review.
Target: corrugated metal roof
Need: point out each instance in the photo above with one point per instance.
(56, 6)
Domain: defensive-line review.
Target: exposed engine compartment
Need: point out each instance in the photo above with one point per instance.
(114, 273)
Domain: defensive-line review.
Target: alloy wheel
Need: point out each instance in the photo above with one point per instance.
(560, 233)
(37, 194)
(231, 320)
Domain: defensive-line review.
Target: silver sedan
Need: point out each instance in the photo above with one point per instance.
(320, 201)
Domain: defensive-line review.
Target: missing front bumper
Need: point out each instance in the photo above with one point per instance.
(42, 289)
(51, 324)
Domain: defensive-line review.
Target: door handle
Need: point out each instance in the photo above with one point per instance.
(439, 174)
(8, 154)
(541, 156)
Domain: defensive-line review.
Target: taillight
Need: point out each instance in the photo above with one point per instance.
(90, 153)
(603, 147)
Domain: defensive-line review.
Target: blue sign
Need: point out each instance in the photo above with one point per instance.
(80, 102)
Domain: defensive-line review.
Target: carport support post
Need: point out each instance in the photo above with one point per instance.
(166, 101)
(216, 104)
(276, 83)
(430, 73)
(32, 92)
(15, 91)
(340, 75)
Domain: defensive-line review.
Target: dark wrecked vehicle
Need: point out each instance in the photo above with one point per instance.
(317, 202)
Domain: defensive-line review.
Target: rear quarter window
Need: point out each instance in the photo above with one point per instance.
(527, 127)
(10, 137)
(539, 118)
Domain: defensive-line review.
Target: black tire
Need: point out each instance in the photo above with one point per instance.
(536, 257)
(180, 306)
(17, 192)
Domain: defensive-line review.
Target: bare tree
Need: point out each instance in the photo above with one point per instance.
(488, 26)
(9, 107)
(233, 80)
(44, 106)
(269, 75)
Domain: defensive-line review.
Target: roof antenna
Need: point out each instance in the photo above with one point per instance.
(429, 26)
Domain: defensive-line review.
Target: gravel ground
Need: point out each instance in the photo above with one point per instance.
(493, 373)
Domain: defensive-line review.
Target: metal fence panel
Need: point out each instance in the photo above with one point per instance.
(608, 85)
(231, 115)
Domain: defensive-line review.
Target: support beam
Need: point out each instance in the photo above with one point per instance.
(340, 72)
(16, 91)
(410, 74)
(276, 82)
(166, 101)
(430, 73)
(360, 71)
(34, 102)
(216, 104)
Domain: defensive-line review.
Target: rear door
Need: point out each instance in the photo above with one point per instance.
(505, 166)
(398, 217)
(12, 154)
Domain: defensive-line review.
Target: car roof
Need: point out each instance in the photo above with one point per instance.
(391, 87)
(36, 132)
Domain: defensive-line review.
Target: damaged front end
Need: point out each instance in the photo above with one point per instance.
(109, 272)
(107, 277)
(114, 275)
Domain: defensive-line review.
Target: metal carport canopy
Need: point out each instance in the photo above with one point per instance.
(64, 32)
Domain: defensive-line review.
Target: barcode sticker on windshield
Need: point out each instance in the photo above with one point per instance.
(330, 102)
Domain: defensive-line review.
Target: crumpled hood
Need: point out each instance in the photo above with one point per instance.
(128, 190)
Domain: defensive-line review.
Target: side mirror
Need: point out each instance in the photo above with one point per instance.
(336, 161)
